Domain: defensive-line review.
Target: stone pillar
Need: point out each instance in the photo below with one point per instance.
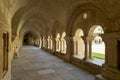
(111, 68)
(86, 42)
(17, 46)
(20, 42)
(90, 50)
(41, 43)
(46, 44)
(70, 48)
(53, 45)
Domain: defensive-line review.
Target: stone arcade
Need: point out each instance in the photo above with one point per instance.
(85, 33)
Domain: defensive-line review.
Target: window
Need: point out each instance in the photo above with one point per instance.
(58, 42)
(97, 45)
(44, 43)
(48, 43)
(51, 44)
(79, 47)
(40, 43)
(63, 43)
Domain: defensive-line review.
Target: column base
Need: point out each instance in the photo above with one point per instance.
(67, 58)
(86, 59)
(111, 73)
(99, 77)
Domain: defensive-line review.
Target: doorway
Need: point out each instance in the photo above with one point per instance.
(5, 52)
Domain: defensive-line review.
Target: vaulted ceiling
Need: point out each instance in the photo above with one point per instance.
(40, 16)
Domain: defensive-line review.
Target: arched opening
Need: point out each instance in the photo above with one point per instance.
(29, 39)
(44, 42)
(63, 43)
(97, 50)
(79, 47)
(38, 43)
(58, 42)
(49, 42)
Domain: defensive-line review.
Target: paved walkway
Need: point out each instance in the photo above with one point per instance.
(36, 64)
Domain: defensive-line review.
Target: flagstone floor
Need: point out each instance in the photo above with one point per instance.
(36, 64)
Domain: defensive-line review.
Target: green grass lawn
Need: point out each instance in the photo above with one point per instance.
(98, 55)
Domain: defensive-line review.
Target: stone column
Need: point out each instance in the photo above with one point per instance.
(90, 50)
(70, 48)
(42, 43)
(111, 68)
(46, 44)
(61, 47)
(17, 46)
(86, 42)
(90, 39)
(53, 45)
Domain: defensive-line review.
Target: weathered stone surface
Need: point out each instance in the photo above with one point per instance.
(35, 64)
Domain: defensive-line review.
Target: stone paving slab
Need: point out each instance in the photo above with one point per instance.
(43, 72)
(36, 64)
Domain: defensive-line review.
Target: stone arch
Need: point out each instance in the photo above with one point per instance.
(63, 34)
(93, 28)
(54, 30)
(58, 42)
(96, 44)
(4, 22)
(43, 18)
(79, 10)
(63, 43)
(29, 15)
(16, 19)
(26, 29)
(30, 36)
(44, 41)
(58, 28)
(28, 26)
(79, 47)
(36, 21)
(49, 42)
(79, 33)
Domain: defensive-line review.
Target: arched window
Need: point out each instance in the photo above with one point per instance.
(58, 42)
(44, 43)
(63, 43)
(49, 42)
(40, 43)
(79, 47)
(97, 50)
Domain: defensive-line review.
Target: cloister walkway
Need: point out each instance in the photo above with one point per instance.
(36, 64)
